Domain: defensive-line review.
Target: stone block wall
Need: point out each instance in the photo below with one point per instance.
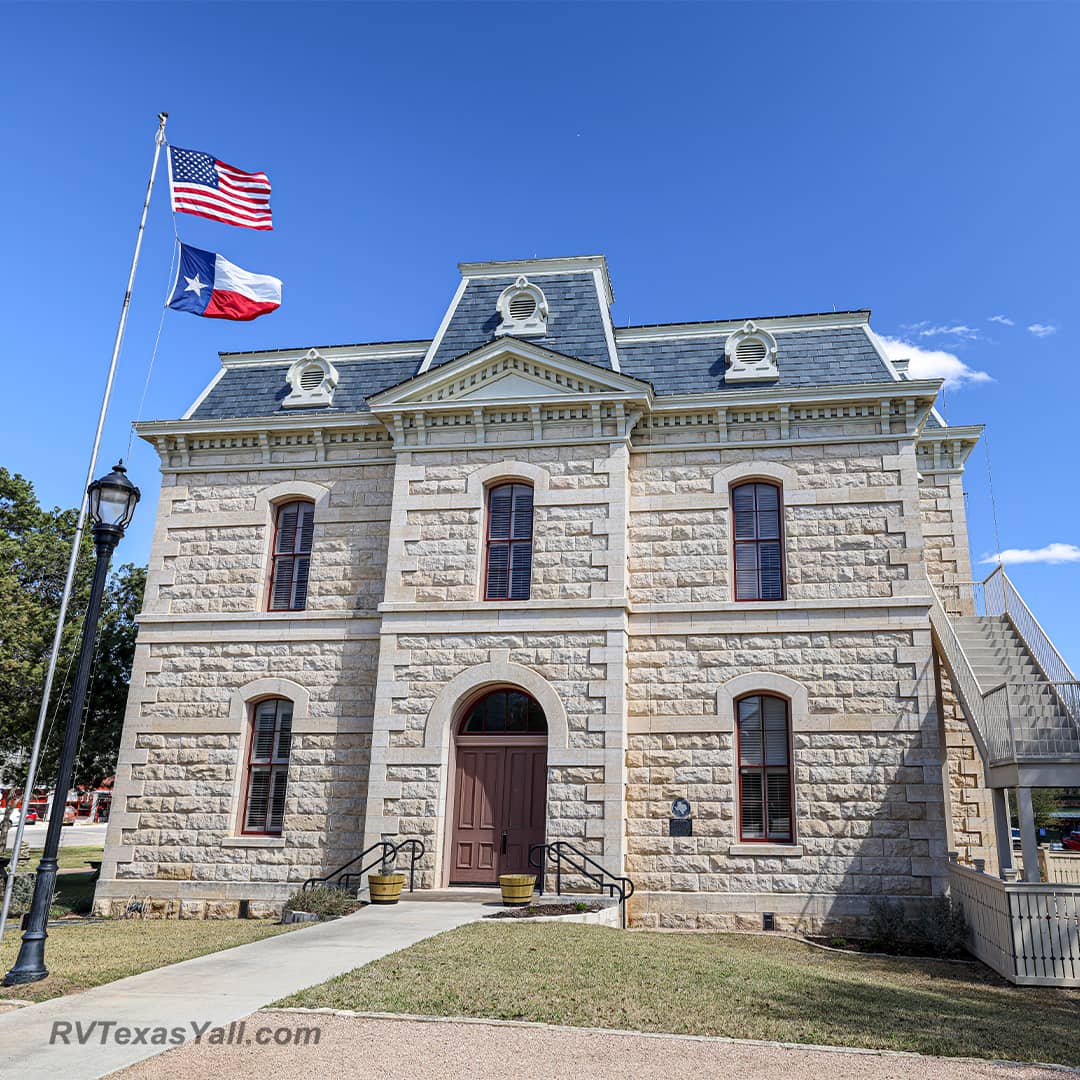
(207, 649)
(848, 520)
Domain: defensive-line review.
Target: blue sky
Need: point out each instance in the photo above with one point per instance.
(730, 160)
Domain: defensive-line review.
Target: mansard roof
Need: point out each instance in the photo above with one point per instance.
(816, 350)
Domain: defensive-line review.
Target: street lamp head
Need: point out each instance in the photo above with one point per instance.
(113, 499)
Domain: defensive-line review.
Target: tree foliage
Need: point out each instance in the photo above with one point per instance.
(35, 545)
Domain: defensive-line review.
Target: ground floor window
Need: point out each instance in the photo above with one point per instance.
(268, 766)
(764, 749)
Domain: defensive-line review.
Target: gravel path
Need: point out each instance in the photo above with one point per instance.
(355, 1048)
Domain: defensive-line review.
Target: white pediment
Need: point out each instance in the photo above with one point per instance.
(512, 384)
(509, 371)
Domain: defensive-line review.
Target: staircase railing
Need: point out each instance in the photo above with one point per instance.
(561, 853)
(997, 716)
(343, 877)
(989, 720)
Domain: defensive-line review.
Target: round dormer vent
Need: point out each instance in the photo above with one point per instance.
(751, 351)
(522, 306)
(311, 377)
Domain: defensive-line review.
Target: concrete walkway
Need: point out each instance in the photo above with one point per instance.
(214, 990)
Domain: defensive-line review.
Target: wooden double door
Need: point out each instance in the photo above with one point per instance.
(500, 800)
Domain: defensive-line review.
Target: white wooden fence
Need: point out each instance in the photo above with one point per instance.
(1028, 933)
(1059, 867)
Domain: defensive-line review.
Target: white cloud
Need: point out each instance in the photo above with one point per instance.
(933, 363)
(953, 330)
(1052, 554)
(1003, 319)
(1042, 329)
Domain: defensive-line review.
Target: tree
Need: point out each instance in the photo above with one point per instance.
(35, 545)
(1045, 802)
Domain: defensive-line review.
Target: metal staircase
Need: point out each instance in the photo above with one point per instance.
(1021, 700)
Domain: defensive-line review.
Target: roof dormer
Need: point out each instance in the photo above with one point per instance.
(750, 353)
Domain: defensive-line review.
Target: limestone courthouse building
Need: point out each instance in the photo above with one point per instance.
(538, 578)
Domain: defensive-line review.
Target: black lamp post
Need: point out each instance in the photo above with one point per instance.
(112, 503)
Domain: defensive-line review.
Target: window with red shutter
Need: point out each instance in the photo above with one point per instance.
(764, 749)
(758, 542)
(508, 565)
(268, 766)
(291, 563)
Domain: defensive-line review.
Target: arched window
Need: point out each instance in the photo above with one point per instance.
(764, 749)
(508, 566)
(759, 551)
(293, 529)
(268, 766)
(504, 712)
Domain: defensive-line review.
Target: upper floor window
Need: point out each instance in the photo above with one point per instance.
(292, 556)
(759, 554)
(764, 769)
(268, 766)
(508, 572)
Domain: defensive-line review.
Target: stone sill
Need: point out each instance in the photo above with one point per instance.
(791, 851)
(253, 841)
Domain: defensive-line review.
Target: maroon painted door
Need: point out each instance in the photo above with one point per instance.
(523, 823)
(477, 832)
(499, 810)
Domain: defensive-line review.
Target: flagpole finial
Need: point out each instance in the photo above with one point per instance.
(162, 117)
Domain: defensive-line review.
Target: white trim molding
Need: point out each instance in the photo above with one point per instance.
(765, 682)
(753, 470)
(446, 709)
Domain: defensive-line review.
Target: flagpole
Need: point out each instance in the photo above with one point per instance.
(43, 712)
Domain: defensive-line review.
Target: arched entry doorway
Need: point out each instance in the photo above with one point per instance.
(500, 787)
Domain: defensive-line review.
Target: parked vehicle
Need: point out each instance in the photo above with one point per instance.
(69, 816)
(1071, 841)
(31, 816)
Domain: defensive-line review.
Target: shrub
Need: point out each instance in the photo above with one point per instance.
(889, 928)
(941, 927)
(22, 892)
(323, 900)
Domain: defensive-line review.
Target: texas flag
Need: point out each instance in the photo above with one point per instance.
(215, 288)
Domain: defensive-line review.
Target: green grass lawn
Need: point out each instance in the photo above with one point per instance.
(752, 987)
(74, 857)
(89, 954)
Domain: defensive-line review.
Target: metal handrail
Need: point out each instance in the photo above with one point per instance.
(560, 851)
(387, 858)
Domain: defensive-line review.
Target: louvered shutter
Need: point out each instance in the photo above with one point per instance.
(776, 731)
(742, 500)
(284, 735)
(768, 511)
(277, 801)
(301, 570)
(770, 571)
(286, 530)
(746, 572)
(258, 800)
(751, 809)
(306, 529)
(751, 750)
(498, 571)
(499, 512)
(778, 803)
(520, 571)
(282, 589)
(523, 508)
(262, 740)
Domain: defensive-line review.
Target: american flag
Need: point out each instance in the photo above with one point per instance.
(202, 185)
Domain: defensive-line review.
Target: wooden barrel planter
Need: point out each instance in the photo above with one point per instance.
(385, 888)
(517, 889)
